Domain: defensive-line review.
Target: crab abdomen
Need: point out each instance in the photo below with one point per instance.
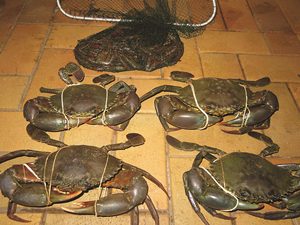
(252, 178)
(216, 96)
(82, 100)
(77, 167)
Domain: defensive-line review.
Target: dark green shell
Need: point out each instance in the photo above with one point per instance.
(77, 167)
(83, 100)
(216, 96)
(251, 177)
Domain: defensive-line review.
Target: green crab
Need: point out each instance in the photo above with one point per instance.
(204, 102)
(79, 104)
(241, 181)
(69, 172)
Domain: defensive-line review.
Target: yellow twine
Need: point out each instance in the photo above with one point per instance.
(100, 189)
(198, 106)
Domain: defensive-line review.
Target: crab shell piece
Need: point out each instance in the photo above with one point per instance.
(217, 98)
(241, 181)
(130, 46)
(67, 173)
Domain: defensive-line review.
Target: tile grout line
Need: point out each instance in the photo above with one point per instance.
(2, 47)
(199, 56)
(242, 68)
(222, 16)
(33, 72)
(291, 93)
(169, 189)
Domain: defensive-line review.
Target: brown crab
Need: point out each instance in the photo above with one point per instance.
(67, 173)
(241, 181)
(79, 104)
(206, 101)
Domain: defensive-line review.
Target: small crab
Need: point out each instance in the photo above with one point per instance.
(64, 175)
(206, 101)
(241, 181)
(130, 46)
(79, 104)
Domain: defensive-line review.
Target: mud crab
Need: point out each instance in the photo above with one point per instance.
(79, 104)
(241, 181)
(130, 46)
(67, 173)
(206, 101)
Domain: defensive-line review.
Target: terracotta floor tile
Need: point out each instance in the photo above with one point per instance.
(237, 15)
(268, 15)
(221, 65)
(283, 42)
(243, 218)
(183, 212)
(232, 42)
(278, 68)
(36, 11)
(290, 9)
(143, 86)
(22, 49)
(89, 135)
(10, 11)
(285, 123)
(150, 156)
(11, 91)
(66, 36)
(15, 137)
(68, 218)
(218, 22)
(189, 62)
(295, 89)
(5, 30)
(35, 218)
(47, 73)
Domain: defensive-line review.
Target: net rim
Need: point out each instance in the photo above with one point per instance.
(113, 20)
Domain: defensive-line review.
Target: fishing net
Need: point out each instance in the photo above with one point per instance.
(146, 34)
(189, 17)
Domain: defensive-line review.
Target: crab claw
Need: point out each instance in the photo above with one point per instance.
(81, 208)
(135, 139)
(104, 79)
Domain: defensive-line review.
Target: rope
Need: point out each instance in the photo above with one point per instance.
(48, 191)
(63, 107)
(103, 121)
(31, 171)
(198, 106)
(246, 112)
(224, 189)
(100, 188)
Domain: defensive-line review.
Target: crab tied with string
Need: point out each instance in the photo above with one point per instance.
(241, 181)
(69, 172)
(78, 104)
(204, 102)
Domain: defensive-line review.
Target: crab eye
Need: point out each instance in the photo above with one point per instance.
(245, 193)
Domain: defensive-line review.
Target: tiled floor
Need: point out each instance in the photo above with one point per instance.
(249, 39)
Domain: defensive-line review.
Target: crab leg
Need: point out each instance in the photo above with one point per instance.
(271, 148)
(133, 139)
(134, 216)
(279, 215)
(157, 90)
(41, 136)
(188, 146)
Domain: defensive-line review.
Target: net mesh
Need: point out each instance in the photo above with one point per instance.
(188, 17)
